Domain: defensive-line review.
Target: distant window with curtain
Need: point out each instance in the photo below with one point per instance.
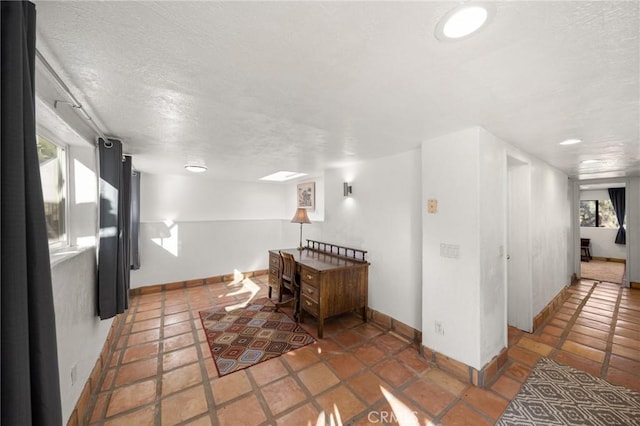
(597, 213)
(53, 175)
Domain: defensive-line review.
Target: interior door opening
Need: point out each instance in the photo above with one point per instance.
(519, 287)
(600, 257)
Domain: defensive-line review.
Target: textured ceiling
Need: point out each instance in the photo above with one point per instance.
(250, 88)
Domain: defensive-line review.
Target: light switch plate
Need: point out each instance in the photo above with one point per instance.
(432, 206)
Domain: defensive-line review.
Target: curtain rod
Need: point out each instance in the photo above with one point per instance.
(75, 103)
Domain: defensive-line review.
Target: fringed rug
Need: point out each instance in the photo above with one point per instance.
(247, 336)
(555, 394)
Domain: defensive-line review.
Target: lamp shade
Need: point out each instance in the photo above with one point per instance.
(300, 216)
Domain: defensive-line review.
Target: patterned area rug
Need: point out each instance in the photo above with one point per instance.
(555, 394)
(246, 336)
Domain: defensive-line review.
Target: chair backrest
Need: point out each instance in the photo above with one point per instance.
(288, 267)
(585, 242)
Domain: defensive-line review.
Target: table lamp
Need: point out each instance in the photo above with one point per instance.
(300, 217)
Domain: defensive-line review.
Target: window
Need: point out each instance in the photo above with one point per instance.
(53, 175)
(598, 213)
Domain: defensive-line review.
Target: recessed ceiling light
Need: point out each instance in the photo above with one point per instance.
(282, 176)
(589, 161)
(570, 142)
(463, 21)
(195, 168)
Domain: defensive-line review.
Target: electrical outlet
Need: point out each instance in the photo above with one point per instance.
(439, 328)
(74, 374)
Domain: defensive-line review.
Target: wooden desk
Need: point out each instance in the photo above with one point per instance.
(329, 284)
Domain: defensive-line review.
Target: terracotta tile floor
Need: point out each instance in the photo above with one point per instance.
(161, 371)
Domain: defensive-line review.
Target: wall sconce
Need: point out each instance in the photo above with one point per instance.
(347, 189)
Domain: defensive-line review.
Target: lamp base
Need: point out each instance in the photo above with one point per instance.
(300, 246)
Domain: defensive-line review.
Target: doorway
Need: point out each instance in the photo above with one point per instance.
(601, 258)
(518, 274)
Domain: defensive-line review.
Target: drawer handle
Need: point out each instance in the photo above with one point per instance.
(309, 276)
(308, 303)
(310, 290)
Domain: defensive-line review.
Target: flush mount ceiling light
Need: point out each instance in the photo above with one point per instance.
(282, 176)
(463, 21)
(589, 161)
(195, 168)
(570, 142)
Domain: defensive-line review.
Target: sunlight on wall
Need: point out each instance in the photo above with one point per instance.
(86, 241)
(85, 183)
(170, 243)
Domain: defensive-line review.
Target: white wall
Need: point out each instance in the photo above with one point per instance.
(83, 196)
(192, 227)
(80, 332)
(382, 216)
(551, 236)
(466, 172)
(450, 286)
(492, 184)
(197, 199)
(603, 242)
(602, 239)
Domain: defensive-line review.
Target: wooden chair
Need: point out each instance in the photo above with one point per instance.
(585, 249)
(289, 281)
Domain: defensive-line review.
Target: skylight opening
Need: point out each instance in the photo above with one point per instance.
(570, 142)
(282, 176)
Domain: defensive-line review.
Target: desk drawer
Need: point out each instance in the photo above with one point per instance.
(273, 271)
(274, 260)
(309, 305)
(309, 276)
(273, 280)
(310, 292)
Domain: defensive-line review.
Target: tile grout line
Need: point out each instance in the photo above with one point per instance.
(369, 369)
(585, 297)
(105, 370)
(159, 367)
(572, 321)
(206, 382)
(310, 398)
(612, 331)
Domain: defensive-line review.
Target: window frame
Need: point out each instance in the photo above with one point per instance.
(64, 243)
(597, 216)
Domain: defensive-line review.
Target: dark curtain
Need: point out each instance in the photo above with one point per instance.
(618, 200)
(135, 219)
(29, 357)
(115, 220)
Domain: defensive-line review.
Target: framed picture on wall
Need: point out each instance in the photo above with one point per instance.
(307, 195)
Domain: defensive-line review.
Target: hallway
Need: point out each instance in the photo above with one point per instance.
(597, 330)
(161, 372)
